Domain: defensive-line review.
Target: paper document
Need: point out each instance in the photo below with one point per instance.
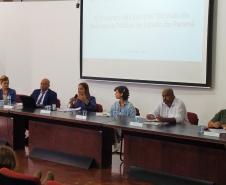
(8, 107)
(152, 120)
(155, 123)
(217, 130)
(106, 114)
(69, 109)
(136, 124)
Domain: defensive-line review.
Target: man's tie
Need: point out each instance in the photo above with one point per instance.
(40, 99)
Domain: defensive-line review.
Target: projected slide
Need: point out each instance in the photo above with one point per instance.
(144, 35)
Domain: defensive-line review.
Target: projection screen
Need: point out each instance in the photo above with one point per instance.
(147, 41)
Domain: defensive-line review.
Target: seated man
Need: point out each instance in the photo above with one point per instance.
(219, 120)
(171, 110)
(44, 96)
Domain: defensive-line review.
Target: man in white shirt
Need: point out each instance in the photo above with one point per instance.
(171, 110)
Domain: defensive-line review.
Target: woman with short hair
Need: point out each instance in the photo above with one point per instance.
(122, 107)
(5, 91)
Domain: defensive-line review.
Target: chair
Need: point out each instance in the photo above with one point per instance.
(137, 111)
(58, 103)
(18, 100)
(10, 177)
(99, 108)
(193, 118)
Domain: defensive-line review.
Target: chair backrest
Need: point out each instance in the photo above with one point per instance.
(193, 118)
(10, 177)
(18, 100)
(99, 108)
(137, 112)
(58, 103)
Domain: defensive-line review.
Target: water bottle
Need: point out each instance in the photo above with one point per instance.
(9, 100)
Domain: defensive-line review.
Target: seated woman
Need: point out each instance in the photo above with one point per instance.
(219, 120)
(83, 99)
(7, 158)
(122, 107)
(5, 91)
(8, 162)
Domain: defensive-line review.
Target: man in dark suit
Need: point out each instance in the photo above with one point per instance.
(44, 96)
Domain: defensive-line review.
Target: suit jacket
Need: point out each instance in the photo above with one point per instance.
(11, 93)
(50, 97)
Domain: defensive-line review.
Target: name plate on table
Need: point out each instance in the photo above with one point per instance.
(136, 124)
(104, 114)
(214, 134)
(152, 123)
(43, 111)
(81, 117)
(8, 107)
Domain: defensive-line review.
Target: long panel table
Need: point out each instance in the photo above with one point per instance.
(174, 149)
(61, 137)
(11, 129)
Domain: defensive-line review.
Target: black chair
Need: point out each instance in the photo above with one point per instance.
(137, 111)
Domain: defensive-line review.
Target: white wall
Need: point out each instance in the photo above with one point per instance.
(41, 39)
